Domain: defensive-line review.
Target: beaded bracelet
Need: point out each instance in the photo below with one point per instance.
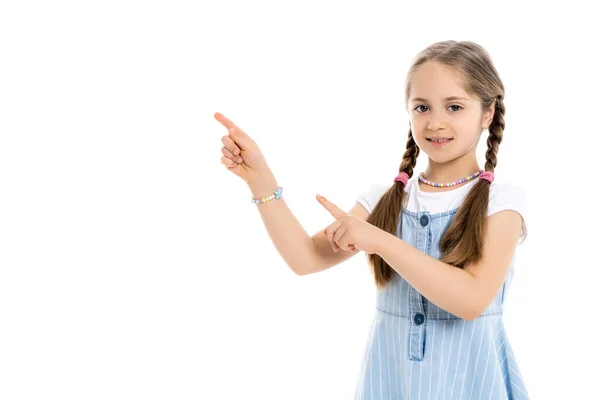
(276, 195)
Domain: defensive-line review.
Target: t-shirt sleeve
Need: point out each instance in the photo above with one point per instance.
(369, 198)
(509, 197)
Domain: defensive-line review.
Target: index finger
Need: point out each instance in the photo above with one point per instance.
(226, 122)
(332, 208)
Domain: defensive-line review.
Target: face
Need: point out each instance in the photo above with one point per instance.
(435, 114)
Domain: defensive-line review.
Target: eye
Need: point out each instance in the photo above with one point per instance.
(453, 105)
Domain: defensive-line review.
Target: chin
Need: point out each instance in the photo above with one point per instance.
(441, 159)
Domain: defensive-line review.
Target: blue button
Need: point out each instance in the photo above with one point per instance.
(419, 319)
(424, 220)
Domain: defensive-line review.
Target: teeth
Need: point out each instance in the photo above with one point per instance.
(439, 140)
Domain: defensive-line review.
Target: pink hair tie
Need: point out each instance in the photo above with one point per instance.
(487, 175)
(402, 177)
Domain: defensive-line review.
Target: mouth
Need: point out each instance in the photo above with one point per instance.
(437, 141)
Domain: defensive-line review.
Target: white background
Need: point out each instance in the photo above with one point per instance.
(132, 263)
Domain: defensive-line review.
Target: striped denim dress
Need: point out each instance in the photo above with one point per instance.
(417, 350)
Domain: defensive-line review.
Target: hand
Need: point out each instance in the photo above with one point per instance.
(241, 154)
(349, 232)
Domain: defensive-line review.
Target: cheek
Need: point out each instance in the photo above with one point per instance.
(417, 126)
(420, 142)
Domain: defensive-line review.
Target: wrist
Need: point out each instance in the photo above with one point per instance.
(381, 242)
(264, 186)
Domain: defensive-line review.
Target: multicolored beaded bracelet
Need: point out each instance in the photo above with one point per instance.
(276, 195)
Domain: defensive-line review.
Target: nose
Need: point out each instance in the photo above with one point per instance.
(436, 122)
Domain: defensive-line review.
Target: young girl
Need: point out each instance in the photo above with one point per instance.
(441, 245)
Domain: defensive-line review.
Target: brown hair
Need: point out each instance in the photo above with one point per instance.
(462, 243)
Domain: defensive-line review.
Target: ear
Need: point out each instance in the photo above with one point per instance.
(488, 116)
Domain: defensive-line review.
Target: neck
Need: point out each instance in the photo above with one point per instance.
(450, 171)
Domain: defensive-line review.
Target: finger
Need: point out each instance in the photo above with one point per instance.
(231, 156)
(228, 163)
(331, 231)
(242, 141)
(230, 145)
(342, 239)
(230, 125)
(226, 122)
(344, 243)
(338, 238)
(332, 208)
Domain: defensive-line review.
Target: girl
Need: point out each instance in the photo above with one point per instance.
(441, 245)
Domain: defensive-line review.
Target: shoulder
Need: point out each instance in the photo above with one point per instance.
(508, 196)
(369, 198)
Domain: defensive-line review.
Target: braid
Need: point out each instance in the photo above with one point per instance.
(496, 130)
(387, 212)
(462, 243)
(409, 159)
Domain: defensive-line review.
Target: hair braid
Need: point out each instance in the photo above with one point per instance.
(387, 217)
(496, 130)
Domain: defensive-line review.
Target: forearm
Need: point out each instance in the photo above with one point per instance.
(292, 242)
(447, 286)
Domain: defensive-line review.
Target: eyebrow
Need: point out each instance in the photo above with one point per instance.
(447, 99)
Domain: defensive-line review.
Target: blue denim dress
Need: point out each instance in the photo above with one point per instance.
(417, 350)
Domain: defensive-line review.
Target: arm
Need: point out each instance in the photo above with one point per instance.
(302, 253)
(466, 292)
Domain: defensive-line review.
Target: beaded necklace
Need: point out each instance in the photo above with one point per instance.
(457, 182)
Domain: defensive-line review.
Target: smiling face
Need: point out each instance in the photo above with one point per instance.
(439, 108)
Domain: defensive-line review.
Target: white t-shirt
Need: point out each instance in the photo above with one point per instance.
(503, 196)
